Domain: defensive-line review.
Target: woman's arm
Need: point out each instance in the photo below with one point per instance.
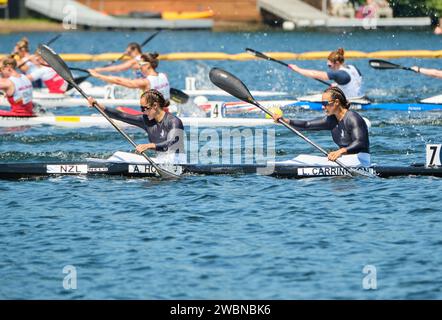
(142, 84)
(23, 62)
(6, 86)
(315, 74)
(24, 68)
(429, 72)
(135, 120)
(324, 123)
(118, 68)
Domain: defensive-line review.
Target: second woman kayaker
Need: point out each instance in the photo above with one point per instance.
(348, 129)
(151, 78)
(347, 77)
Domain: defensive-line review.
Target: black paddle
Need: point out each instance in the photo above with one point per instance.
(178, 96)
(79, 69)
(53, 39)
(265, 57)
(62, 69)
(232, 85)
(83, 78)
(386, 65)
(148, 39)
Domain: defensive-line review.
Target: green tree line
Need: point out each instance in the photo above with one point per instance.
(414, 8)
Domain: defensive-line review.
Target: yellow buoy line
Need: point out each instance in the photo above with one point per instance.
(313, 55)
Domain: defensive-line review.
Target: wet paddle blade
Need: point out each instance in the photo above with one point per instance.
(383, 65)
(257, 54)
(265, 57)
(178, 96)
(230, 84)
(56, 63)
(77, 81)
(79, 69)
(80, 79)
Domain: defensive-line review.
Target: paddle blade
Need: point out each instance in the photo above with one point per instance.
(257, 53)
(383, 65)
(77, 81)
(79, 69)
(230, 84)
(178, 96)
(56, 63)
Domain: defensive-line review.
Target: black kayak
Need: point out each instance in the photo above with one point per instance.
(141, 170)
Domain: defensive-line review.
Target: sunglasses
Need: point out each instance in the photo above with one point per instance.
(326, 103)
(145, 108)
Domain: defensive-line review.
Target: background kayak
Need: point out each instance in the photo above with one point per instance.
(177, 15)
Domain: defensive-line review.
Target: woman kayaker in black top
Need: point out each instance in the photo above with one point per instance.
(165, 131)
(348, 128)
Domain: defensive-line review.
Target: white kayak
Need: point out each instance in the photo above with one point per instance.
(114, 95)
(221, 93)
(245, 107)
(236, 107)
(99, 121)
(318, 98)
(46, 100)
(59, 100)
(53, 100)
(364, 101)
(435, 100)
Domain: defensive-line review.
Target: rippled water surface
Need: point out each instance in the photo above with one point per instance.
(230, 237)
